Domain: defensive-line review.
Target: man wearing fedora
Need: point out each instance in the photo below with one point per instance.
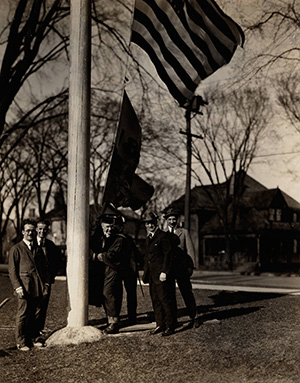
(157, 270)
(183, 255)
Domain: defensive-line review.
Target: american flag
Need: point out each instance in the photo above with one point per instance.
(187, 41)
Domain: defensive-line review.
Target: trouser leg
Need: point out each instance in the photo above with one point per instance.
(162, 304)
(44, 308)
(130, 284)
(22, 317)
(156, 304)
(113, 293)
(186, 290)
(34, 322)
(172, 294)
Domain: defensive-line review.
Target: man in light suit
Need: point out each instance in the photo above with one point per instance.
(157, 270)
(29, 276)
(53, 257)
(183, 255)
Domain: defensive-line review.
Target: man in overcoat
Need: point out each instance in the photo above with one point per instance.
(30, 278)
(157, 269)
(108, 250)
(183, 255)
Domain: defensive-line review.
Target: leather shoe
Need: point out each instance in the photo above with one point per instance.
(156, 330)
(113, 328)
(190, 324)
(168, 332)
(23, 348)
(39, 344)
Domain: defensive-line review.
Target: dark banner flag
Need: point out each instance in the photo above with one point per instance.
(140, 193)
(187, 41)
(123, 186)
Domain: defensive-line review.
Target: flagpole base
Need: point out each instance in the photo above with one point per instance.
(74, 336)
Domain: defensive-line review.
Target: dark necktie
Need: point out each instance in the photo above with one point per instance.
(42, 242)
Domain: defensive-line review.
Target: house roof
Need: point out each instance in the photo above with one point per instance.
(201, 195)
(269, 198)
(291, 202)
(254, 205)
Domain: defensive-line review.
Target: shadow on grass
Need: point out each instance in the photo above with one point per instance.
(220, 315)
(4, 353)
(225, 314)
(227, 298)
(221, 299)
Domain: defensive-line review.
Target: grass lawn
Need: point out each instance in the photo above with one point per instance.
(243, 337)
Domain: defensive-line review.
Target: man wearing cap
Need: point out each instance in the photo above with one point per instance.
(109, 249)
(157, 268)
(183, 255)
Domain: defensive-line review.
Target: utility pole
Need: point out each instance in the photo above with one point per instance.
(187, 201)
(194, 107)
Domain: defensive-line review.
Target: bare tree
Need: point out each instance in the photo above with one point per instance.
(33, 37)
(288, 97)
(232, 127)
(16, 190)
(276, 28)
(103, 128)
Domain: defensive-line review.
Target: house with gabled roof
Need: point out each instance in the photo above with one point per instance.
(267, 230)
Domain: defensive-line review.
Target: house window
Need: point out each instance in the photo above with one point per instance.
(296, 247)
(278, 215)
(295, 217)
(31, 213)
(271, 214)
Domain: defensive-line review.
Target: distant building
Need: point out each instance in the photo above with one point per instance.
(267, 228)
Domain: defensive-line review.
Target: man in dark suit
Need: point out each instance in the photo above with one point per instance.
(108, 249)
(29, 275)
(53, 256)
(157, 268)
(183, 255)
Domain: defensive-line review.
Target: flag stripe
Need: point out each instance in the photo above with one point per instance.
(187, 40)
(176, 39)
(197, 26)
(225, 35)
(166, 47)
(179, 94)
(219, 20)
